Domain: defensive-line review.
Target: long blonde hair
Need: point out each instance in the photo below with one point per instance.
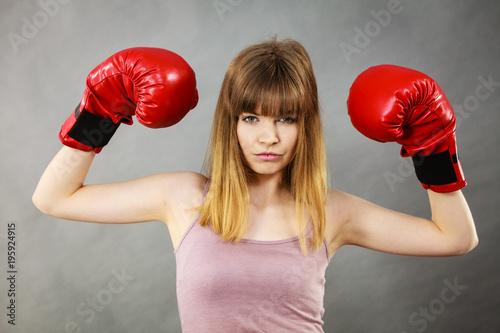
(277, 76)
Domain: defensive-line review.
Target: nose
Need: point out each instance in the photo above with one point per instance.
(268, 133)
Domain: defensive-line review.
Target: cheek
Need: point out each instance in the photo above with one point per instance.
(293, 137)
(240, 134)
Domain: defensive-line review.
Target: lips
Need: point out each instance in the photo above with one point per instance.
(268, 156)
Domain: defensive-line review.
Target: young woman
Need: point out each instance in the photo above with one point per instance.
(253, 237)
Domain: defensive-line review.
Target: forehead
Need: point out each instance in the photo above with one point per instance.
(269, 102)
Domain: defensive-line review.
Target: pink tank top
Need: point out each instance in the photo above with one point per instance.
(249, 286)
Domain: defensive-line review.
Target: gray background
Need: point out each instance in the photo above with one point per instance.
(63, 265)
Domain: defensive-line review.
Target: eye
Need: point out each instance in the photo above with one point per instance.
(288, 120)
(249, 119)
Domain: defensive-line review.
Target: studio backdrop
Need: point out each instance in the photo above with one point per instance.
(67, 276)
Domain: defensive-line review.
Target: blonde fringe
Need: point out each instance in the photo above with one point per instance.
(227, 201)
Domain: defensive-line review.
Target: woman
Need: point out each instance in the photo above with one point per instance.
(254, 236)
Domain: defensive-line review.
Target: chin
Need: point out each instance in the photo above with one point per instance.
(267, 171)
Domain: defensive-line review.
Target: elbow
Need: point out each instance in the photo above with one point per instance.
(474, 242)
(42, 204)
(38, 203)
(465, 245)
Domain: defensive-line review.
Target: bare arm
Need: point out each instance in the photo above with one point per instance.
(391, 103)
(450, 231)
(167, 87)
(61, 193)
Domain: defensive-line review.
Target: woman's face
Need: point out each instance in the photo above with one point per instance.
(268, 143)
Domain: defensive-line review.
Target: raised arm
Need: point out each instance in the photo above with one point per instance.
(159, 88)
(392, 103)
(449, 232)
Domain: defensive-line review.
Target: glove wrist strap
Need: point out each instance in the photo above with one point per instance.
(92, 130)
(436, 169)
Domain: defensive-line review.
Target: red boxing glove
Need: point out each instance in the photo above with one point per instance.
(156, 85)
(392, 103)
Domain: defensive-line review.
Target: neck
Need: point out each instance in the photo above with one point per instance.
(268, 190)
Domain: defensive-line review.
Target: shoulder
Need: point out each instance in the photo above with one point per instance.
(339, 210)
(184, 179)
(339, 203)
(182, 194)
(182, 188)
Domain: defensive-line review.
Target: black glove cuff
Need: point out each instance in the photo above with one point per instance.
(436, 169)
(92, 130)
